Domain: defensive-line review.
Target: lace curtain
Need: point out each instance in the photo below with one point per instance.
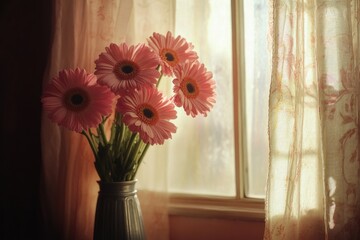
(313, 189)
(81, 30)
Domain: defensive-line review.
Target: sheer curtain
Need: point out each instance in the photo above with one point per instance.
(81, 30)
(313, 189)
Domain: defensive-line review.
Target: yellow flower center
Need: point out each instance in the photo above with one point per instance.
(189, 88)
(76, 99)
(125, 70)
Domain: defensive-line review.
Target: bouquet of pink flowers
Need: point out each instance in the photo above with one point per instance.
(128, 76)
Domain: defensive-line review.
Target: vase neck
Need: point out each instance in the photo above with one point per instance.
(125, 188)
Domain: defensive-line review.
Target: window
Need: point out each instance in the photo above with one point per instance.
(256, 84)
(225, 163)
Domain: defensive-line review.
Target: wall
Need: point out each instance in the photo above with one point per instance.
(196, 228)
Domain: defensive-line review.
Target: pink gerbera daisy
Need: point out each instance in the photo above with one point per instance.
(74, 100)
(148, 112)
(172, 51)
(194, 88)
(123, 67)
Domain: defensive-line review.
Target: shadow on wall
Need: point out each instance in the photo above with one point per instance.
(25, 28)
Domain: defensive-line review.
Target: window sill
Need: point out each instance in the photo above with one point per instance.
(219, 207)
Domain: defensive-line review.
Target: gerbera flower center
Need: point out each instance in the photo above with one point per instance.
(189, 88)
(125, 70)
(169, 56)
(76, 99)
(147, 114)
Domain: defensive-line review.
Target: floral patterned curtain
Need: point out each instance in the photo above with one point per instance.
(81, 31)
(313, 189)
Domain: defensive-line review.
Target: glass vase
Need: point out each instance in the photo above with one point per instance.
(118, 213)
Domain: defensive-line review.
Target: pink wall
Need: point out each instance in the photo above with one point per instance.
(196, 228)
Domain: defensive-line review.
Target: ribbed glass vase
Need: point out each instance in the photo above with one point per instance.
(118, 213)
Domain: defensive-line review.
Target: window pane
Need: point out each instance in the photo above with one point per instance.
(257, 82)
(202, 156)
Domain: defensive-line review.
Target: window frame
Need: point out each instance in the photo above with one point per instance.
(239, 206)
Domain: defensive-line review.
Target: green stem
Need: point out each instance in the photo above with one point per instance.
(93, 137)
(101, 132)
(158, 82)
(129, 145)
(140, 160)
(98, 166)
(113, 130)
(130, 160)
(118, 136)
(91, 143)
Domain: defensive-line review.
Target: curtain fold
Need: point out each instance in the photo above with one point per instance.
(81, 31)
(313, 189)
